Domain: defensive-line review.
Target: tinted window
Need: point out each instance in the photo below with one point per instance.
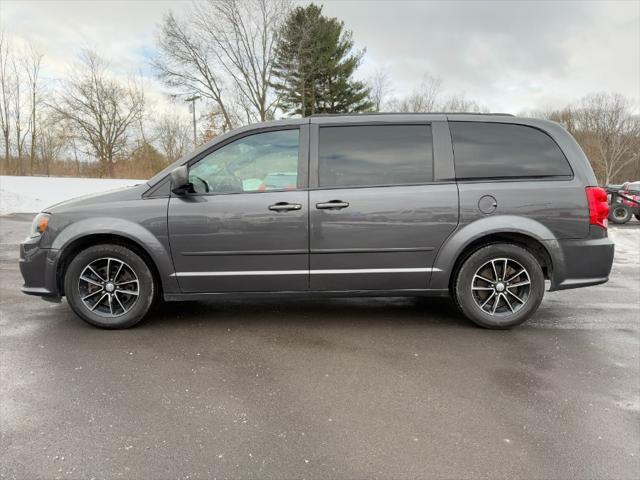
(260, 162)
(500, 150)
(375, 155)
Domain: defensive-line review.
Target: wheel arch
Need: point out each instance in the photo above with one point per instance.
(82, 234)
(525, 232)
(533, 246)
(81, 243)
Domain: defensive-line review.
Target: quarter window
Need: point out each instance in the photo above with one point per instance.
(352, 156)
(502, 150)
(260, 162)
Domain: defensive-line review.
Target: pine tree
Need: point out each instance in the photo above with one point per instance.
(314, 66)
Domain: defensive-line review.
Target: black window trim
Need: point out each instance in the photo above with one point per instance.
(520, 178)
(314, 154)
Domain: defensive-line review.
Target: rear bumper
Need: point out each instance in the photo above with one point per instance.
(38, 268)
(580, 263)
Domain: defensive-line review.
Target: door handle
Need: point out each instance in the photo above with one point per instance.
(284, 206)
(332, 205)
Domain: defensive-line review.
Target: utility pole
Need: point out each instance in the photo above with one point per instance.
(193, 110)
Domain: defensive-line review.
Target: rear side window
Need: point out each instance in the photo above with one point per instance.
(353, 156)
(502, 150)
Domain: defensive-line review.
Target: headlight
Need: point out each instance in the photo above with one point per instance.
(39, 225)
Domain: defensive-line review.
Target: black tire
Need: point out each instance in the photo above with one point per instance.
(637, 215)
(510, 312)
(116, 311)
(620, 214)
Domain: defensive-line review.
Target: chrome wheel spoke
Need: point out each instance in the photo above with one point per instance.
(495, 271)
(109, 297)
(514, 296)
(92, 282)
(508, 302)
(128, 292)
(96, 273)
(115, 294)
(115, 277)
(99, 301)
(493, 294)
(513, 277)
(483, 278)
(495, 304)
(520, 284)
(92, 294)
(126, 283)
(482, 288)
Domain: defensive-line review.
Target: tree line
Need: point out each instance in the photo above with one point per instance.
(246, 61)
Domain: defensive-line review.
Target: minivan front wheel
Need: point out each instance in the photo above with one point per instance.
(499, 286)
(109, 286)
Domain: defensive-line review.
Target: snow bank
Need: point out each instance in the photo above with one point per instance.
(32, 194)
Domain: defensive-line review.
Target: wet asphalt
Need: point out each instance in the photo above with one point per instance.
(340, 388)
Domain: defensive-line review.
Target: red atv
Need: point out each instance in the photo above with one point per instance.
(625, 202)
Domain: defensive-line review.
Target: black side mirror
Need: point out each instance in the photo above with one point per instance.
(180, 180)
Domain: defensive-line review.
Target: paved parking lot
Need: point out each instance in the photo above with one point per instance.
(344, 388)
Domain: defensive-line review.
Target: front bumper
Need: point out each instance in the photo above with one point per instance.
(581, 263)
(38, 267)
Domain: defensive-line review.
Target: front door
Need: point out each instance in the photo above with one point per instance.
(377, 216)
(245, 227)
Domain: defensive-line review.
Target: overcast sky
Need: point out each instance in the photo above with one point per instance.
(508, 56)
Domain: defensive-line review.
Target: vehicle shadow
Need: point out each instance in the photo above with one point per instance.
(301, 312)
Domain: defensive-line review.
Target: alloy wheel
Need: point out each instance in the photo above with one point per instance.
(109, 287)
(501, 287)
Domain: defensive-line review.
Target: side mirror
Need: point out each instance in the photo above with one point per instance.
(180, 180)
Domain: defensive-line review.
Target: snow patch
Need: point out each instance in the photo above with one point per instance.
(627, 241)
(33, 194)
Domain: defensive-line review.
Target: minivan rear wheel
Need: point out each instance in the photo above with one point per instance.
(499, 286)
(109, 286)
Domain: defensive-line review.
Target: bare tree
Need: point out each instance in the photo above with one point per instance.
(380, 87)
(173, 134)
(424, 98)
(20, 126)
(32, 64)
(460, 103)
(613, 132)
(100, 108)
(6, 96)
(243, 34)
(186, 62)
(224, 51)
(52, 139)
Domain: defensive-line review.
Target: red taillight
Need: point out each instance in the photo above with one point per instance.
(598, 206)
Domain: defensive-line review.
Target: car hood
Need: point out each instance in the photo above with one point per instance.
(113, 195)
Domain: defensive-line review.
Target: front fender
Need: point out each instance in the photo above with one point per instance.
(465, 235)
(124, 228)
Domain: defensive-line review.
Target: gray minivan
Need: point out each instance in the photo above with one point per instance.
(481, 207)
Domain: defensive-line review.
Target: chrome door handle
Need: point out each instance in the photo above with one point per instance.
(332, 205)
(284, 206)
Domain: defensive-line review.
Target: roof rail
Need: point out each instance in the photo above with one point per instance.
(407, 113)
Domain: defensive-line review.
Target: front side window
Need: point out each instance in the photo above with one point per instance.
(352, 156)
(503, 150)
(260, 162)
